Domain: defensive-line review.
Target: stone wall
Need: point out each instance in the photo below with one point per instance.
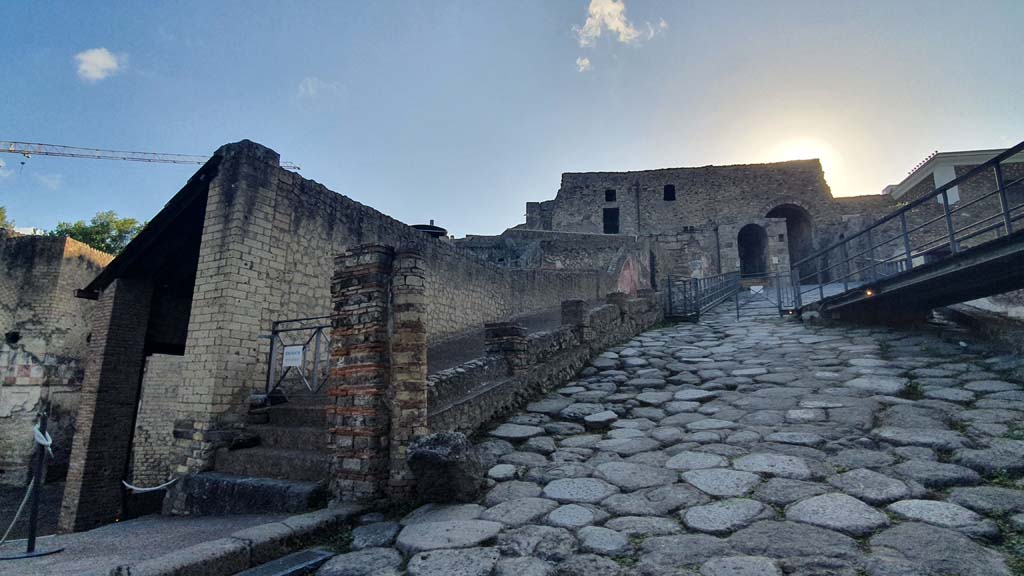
(153, 457)
(472, 394)
(44, 331)
(709, 205)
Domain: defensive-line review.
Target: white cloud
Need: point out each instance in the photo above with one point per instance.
(51, 181)
(583, 64)
(662, 25)
(5, 173)
(607, 15)
(312, 87)
(96, 64)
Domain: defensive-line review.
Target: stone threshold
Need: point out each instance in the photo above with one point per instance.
(246, 548)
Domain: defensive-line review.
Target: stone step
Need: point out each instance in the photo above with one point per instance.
(292, 437)
(217, 493)
(283, 464)
(297, 415)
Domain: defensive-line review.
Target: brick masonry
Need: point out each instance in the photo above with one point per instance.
(44, 332)
(153, 455)
(109, 398)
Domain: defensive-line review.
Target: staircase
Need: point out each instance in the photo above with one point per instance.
(283, 467)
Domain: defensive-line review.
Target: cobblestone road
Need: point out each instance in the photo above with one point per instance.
(756, 448)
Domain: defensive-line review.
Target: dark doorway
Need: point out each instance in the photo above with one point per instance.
(799, 235)
(752, 242)
(611, 220)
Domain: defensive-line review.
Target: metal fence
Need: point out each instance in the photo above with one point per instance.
(980, 205)
(299, 349)
(691, 297)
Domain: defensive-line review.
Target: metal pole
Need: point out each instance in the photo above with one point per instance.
(821, 288)
(906, 240)
(846, 267)
(271, 356)
(953, 248)
(316, 359)
(37, 476)
(736, 297)
(872, 273)
(778, 291)
(1004, 204)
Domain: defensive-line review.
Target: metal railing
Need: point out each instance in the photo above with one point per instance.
(967, 211)
(776, 295)
(301, 345)
(691, 297)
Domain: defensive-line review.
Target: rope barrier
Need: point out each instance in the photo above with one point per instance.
(153, 489)
(44, 440)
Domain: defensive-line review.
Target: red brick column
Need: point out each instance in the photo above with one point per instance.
(360, 372)
(408, 392)
(106, 410)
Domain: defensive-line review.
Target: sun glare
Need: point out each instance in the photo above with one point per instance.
(807, 148)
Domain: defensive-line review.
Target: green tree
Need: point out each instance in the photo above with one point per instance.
(104, 232)
(4, 222)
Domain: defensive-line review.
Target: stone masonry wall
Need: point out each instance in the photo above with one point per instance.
(268, 237)
(44, 331)
(467, 396)
(153, 456)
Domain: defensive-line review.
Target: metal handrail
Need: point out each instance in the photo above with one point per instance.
(1008, 153)
(844, 260)
(698, 295)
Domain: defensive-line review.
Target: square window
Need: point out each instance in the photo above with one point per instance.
(670, 192)
(609, 195)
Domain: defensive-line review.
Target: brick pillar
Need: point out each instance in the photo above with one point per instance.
(574, 312)
(507, 339)
(408, 392)
(619, 299)
(360, 372)
(106, 410)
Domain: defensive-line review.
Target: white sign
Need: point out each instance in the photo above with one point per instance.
(293, 356)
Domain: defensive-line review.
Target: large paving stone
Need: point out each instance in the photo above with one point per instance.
(549, 406)
(588, 565)
(783, 491)
(519, 511)
(471, 562)
(838, 512)
(544, 542)
(602, 541)
(366, 562)
(667, 554)
(927, 437)
(722, 482)
(374, 535)
(991, 500)
(644, 526)
(740, 566)
(423, 536)
(516, 432)
(574, 516)
(775, 464)
(859, 458)
(947, 515)
(875, 384)
(628, 446)
(941, 550)
(580, 410)
(523, 566)
(654, 501)
(1002, 456)
(688, 460)
(936, 474)
(443, 513)
(631, 477)
(511, 490)
(694, 395)
(792, 540)
(724, 516)
(584, 490)
(870, 486)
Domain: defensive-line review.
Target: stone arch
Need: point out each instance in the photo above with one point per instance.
(752, 245)
(799, 233)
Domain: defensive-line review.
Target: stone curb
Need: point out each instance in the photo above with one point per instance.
(244, 549)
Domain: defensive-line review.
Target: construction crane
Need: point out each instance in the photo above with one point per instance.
(29, 149)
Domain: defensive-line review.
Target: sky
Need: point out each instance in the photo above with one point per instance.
(462, 111)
